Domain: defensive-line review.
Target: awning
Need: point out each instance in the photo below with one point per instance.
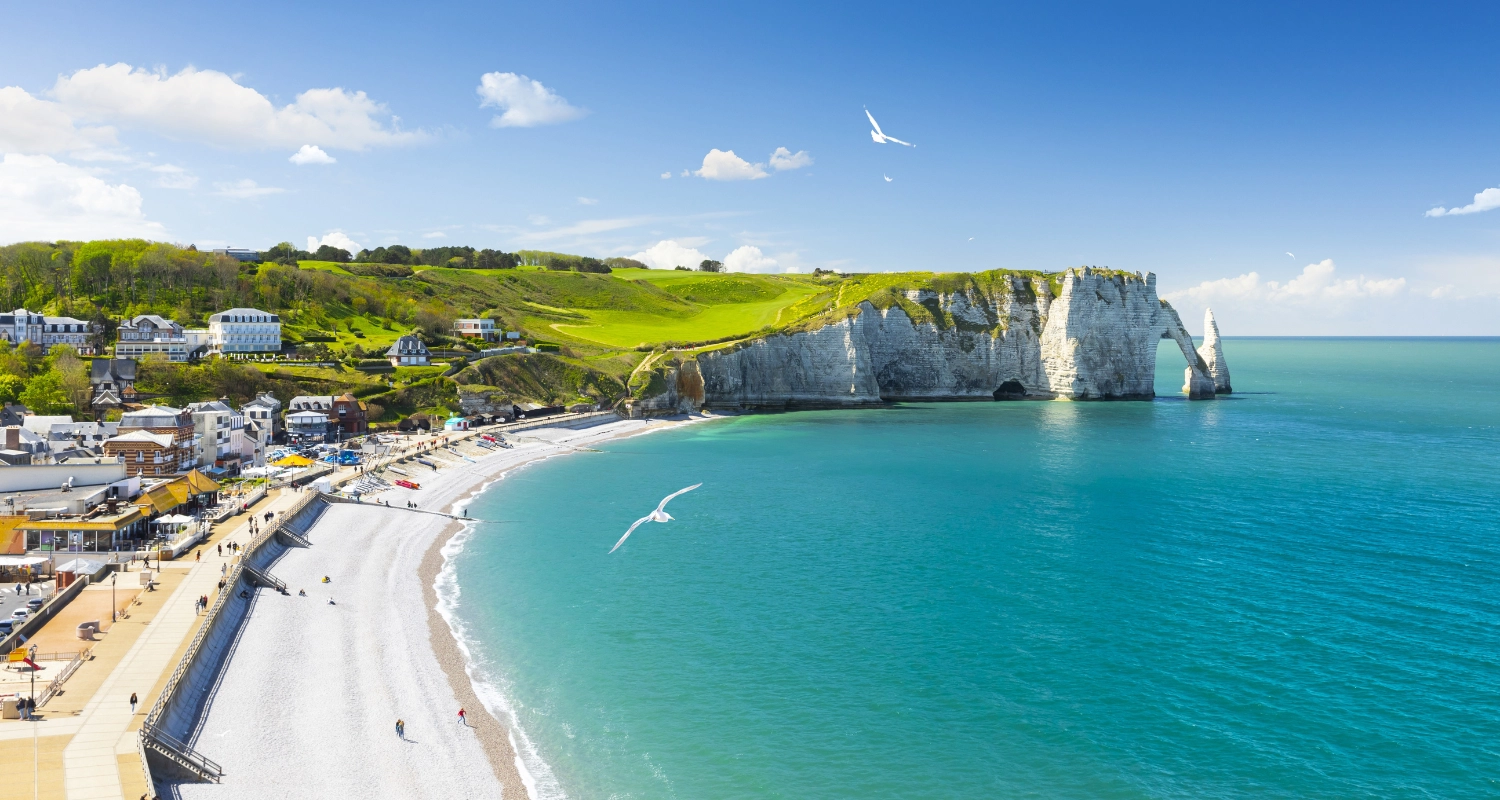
(294, 461)
(175, 519)
(22, 561)
(81, 566)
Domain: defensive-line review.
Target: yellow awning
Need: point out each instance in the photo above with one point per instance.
(104, 524)
(12, 538)
(200, 483)
(293, 461)
(162, 498)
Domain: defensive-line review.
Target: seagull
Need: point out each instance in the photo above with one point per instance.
(659, 515)
(880, 137)
(887, 177)
(1289, 254)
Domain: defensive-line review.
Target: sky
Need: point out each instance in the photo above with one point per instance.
(1304, 169)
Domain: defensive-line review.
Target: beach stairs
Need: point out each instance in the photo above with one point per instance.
(292, 538)
(265, 578)
(172, 755)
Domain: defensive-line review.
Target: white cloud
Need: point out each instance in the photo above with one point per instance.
(44, 199)
(1484, 201)
(170, 176)
(311, 154)
(666, 175)
(523, 102)
(749, 258)
(784, 159)
(686, 173)
(243, 189)
(212, 107)
(667, 254)
(724, 165)
(539, 219)
(434, 235)
(588, 201)
(34, 126)
(333, 239)
(1317, 282)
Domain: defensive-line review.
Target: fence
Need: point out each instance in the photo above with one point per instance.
(35, 622)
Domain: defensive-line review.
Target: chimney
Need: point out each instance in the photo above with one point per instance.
(12, 438)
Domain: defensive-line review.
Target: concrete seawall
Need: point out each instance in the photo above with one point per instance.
(175, 717)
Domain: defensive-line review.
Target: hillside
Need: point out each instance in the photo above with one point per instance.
(599, 326)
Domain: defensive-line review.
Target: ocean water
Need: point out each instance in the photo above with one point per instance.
(1290, 592)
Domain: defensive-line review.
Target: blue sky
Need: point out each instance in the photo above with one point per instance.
(1277, 162)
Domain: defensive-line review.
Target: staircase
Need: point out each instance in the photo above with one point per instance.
(265, 578)
(297, 541)
(178, 754)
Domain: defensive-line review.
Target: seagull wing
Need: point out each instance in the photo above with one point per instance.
(874, 124)
(897, 141)
(663, 506)
(627, 533)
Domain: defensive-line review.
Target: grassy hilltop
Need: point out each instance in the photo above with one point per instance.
(596, 323)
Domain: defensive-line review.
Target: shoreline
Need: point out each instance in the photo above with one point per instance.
(497, 736)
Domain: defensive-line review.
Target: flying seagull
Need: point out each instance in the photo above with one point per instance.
(1291, 255)
(879, 136)
(659, 515)
(887, 177)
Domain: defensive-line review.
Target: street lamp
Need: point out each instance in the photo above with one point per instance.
(113, 609)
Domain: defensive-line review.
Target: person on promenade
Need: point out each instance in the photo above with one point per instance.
(462, 720)
(221, 549)
(199, 557)
(133, 701)
(401, 729)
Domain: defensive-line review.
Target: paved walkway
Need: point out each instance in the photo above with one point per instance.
(91, 767)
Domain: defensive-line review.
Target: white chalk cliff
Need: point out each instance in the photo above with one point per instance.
(1008, 338)
(1212, 353)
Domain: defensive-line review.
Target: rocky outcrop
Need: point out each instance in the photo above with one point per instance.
(1212, 353)
(1006, 338)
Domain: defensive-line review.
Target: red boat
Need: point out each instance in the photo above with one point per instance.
(408, 485)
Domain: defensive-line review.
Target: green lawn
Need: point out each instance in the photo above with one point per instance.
(631, 329)
(325, 266)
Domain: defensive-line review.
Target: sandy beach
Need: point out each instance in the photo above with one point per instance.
(308, 703)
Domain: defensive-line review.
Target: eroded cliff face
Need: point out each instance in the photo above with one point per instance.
(1212, 353)
(1096, 339)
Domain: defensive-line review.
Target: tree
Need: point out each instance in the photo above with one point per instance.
(619, 262)
(495, 259)
(285, 253)
(10, 388)
(44, 395)
(72, 377)
(330, 253)
(709, 265)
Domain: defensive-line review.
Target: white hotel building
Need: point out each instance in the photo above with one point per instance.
(245, 330)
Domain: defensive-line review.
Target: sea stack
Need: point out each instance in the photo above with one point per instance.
(1212, 353)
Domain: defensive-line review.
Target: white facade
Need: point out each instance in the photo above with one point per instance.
(214, 423)
(244, 330)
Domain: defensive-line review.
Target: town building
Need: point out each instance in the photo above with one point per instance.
(482, 329)
(25, 326)
(177, 455)
(408, 351)
(219, 430)
(307, 427)
(151, 335)
(346, 415)
(239, 254)
(265, 411)
(244, 330)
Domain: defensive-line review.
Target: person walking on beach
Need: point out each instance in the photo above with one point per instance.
(462, 720)
(401, 729)
(133, 701)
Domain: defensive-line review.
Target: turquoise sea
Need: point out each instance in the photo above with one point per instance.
(1290, 592)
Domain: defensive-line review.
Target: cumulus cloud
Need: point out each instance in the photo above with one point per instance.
(333, 239)
(245, 188)
(588, 201)
(1317, 282)
(434, 235)
(212, 107)
(667, 254)
(666, 175)
(724, 165)
(44, 199)
(311, 154)
(749, 258)
(784, 159)
(33, 126)
(523, 102)
(1484, 201)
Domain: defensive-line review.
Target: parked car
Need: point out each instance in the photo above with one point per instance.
(35, 603)
(20, 614)
(7, 626)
